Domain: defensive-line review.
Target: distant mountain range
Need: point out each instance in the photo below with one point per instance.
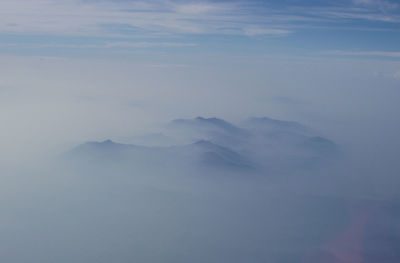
(256, 145)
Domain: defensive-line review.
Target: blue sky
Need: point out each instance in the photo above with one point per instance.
(362, 28)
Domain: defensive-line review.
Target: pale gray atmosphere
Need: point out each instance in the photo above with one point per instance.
(199, 131)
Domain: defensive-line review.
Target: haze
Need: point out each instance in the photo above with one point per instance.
(199, 131)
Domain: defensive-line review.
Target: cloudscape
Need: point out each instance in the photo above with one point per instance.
(200, 131)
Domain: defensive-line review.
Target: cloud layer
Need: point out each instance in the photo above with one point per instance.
(107, 18)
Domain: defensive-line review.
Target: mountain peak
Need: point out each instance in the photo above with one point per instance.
(212, 124)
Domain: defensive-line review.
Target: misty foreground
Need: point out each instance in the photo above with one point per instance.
(200, 190)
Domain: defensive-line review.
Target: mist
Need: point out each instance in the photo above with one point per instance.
(188, 159)
(199, 190)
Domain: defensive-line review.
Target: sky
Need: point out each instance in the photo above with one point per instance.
(76, 70)
(355, 28)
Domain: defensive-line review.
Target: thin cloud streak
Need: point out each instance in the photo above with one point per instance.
(107, 45)
(394, 54)
(89, 18)
(380, 4)
(108, 18)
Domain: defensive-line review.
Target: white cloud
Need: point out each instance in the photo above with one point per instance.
(255, 31)
(381, 4)
(149, 44)
(203, 8)
(394, 54)
(108, 18)
(372, 16)
(73, 17)
(125, 45)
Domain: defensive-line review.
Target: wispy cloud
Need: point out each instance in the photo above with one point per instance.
(394, 54)
(93, 18)
(167, 17)
(106, 45)
(255, 31)
(358, 14)
(381, 4)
